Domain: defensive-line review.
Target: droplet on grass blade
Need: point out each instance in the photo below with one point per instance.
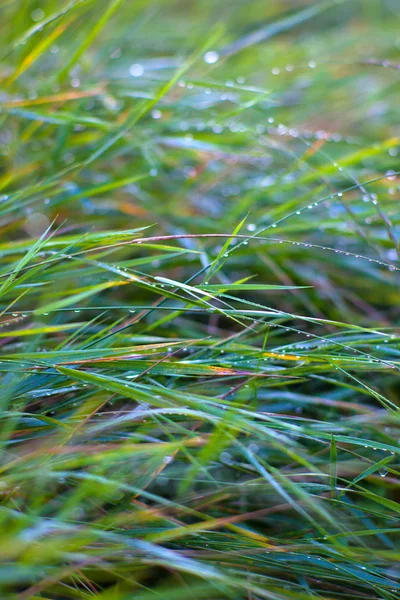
(136, 70)
(116, 53)
(211, 57)
(37, 15)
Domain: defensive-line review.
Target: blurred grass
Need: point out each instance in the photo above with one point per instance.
(199, 300)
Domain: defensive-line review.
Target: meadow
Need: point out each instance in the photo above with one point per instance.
(199, 300)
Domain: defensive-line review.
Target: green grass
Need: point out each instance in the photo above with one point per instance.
(199, 301)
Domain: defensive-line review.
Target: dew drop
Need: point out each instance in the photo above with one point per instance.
(217, 128)
(116, 53)
(136, 70)
(37, 15)
(211, 57)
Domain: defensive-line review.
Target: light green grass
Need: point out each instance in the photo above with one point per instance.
(199, 302)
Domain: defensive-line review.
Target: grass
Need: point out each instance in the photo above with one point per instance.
(199, 300)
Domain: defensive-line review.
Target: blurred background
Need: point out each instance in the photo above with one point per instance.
(291, 102)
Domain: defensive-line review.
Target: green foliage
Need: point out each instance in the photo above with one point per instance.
(199, 302)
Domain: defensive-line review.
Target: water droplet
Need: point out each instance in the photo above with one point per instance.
(251, 227)
(116, 53)
(312, 64)
(226, 457)
(383, 471)
(211, 57)
(217, 128)
(136, 70)
(156, 114)
(37, 15)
